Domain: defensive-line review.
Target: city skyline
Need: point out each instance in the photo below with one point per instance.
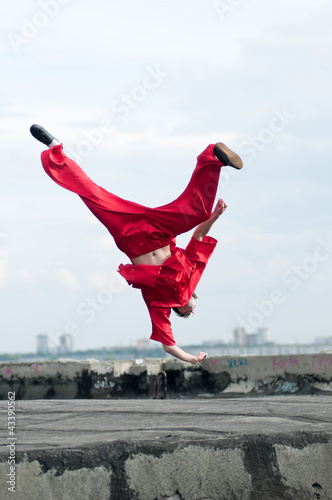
(47, 345)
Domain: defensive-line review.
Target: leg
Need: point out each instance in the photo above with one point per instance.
(117, 214)
(195, 204)
(137, 229)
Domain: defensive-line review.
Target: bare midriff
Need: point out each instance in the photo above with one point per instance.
(154, 258)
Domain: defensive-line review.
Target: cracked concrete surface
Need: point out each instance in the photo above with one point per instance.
(222, 449)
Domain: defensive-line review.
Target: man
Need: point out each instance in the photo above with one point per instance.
(166, 275)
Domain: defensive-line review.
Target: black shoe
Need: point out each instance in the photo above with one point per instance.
(41, 134)
(227, 157)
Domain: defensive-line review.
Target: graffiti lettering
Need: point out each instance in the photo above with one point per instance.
(281, 363)
(322, 362)
(237, 362)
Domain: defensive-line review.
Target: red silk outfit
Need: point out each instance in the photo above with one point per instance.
(137, 230)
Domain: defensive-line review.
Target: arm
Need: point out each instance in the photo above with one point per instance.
(184, 356)
(203, 228)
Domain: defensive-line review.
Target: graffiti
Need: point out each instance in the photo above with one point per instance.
(281, 363)
(232, 362)
(104, 384)
(215, 362)
(287, 387)
(237, 362)
(9, 371)
(321, 362)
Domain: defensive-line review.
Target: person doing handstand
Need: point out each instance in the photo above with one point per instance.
(166, 275)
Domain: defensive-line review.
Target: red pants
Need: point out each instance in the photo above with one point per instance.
(135, 228)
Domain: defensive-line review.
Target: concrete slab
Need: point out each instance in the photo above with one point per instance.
(257, 448)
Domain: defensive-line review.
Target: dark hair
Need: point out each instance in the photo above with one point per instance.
(180, 314)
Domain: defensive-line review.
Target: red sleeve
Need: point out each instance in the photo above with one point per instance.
(201, 251)
(161, 325)
(198, 253)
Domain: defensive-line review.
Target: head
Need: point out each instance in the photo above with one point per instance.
(188, 309)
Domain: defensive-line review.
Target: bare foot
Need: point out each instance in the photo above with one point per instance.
(219, 208)
(199, 357)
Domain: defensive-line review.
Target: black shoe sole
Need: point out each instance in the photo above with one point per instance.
(39, 133)
(227, 156)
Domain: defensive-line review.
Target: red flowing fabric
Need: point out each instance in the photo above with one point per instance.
(135, 228)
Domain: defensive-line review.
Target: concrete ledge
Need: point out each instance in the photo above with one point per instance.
(224, 375)
(264, 448)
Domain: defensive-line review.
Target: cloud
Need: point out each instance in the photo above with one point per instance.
(67, 278)
(225, 78)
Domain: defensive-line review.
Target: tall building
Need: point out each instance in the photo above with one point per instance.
(252, 339)
(66, 343)
(43, 343)
(263, 335)
(239, 335)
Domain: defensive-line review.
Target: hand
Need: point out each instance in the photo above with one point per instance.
(219, 208)
(199, 357)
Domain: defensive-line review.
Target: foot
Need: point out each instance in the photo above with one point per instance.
(227, 157)
(43, 136)
(219, 209)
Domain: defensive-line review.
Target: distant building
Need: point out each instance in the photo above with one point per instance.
(43, 344)
(66, 343)
(214, 343)
(239, 335)
(252, 339)
(242, 338)
(323, 340)
(142, 344)
(263, 335)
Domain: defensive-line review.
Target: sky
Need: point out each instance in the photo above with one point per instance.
(135, 91)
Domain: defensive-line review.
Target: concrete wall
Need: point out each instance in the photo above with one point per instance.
(224, 375)
(294, 467)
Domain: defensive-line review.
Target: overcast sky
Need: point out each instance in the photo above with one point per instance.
(135, 91)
